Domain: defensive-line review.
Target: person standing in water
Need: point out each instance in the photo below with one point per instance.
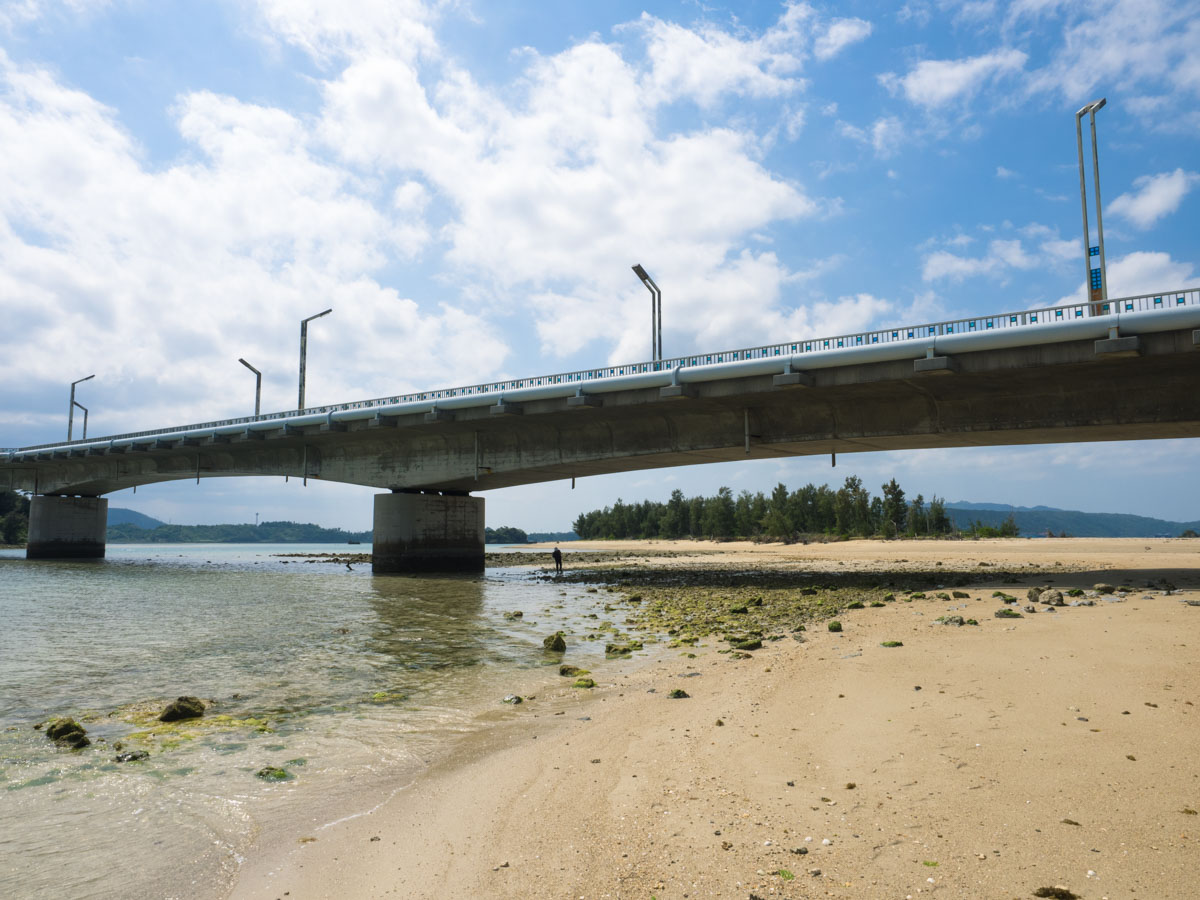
(557, 554)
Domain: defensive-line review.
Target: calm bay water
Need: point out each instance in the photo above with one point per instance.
(349, 681)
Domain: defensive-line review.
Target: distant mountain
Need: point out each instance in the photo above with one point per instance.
(1036, 521)
(119, 516)
(997, 507)
(265, 533)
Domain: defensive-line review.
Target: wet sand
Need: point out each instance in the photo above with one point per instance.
(1055, 750)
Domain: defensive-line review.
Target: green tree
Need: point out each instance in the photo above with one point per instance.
(895, 511)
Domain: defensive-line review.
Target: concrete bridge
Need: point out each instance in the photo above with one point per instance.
(1128, 369)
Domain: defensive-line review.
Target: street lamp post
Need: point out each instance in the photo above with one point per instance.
(655, 312)
(304, 350)
(258, 385)
(71, 409)
(1097, 275)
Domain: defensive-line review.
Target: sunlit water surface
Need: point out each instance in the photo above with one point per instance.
(348, 681)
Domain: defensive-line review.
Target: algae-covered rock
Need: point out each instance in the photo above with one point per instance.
(555, 643)
(272, 773)
(183, 708)
(752, 644)
(960, 595)
(1103, 588)
(892, 644)
(678, 694)
(584, 683)
(66, 732)
(622, 649)
(514, 614)
(956, 621)
(571, 671)
(835, 626)
(1008, 613)
(855, 604)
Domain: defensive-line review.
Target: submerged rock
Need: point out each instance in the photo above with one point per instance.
(132, 756)
(183, 708)
(272, 773)
(571, 671)
(555, 643)
(66, 732)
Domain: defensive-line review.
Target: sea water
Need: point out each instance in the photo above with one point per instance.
(348, 681)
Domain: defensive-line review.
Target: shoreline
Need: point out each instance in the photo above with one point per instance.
(994, 760)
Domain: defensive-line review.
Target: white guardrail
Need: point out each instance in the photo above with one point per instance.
(1144, 313)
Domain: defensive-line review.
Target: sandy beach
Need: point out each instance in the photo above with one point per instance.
(1047, 755)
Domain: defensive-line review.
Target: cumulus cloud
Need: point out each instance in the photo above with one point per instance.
(534, 193)
(1155, 196)
(706, 62)
(186, 267)
(327, 31)
(1141, 272)
(937, 83)
(1126, 42)
(1038, 246)
(564, 163)
(839, 34)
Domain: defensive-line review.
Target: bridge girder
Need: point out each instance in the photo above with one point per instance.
(1048, 393)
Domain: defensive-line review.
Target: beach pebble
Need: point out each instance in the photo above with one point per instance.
(514, 699)
(826, 842)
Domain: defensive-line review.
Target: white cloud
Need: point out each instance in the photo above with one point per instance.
(398, 28)
(1130, 43)
(936, 83)
(1003, 255)
(886, 136)
(1141, 272)
(565, 164)
(187, 267)
(1156, 196)
(840, 33)
(705, 62)
(1002, 172)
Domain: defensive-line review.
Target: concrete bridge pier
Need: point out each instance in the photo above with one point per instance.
(427, 532)
(66, 527)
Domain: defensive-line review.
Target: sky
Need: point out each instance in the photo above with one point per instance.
(467, 185)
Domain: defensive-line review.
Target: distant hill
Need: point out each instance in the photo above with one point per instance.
(120, 516)
(1036, 521)
(264, 533)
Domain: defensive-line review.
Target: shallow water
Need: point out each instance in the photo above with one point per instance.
(347, 680)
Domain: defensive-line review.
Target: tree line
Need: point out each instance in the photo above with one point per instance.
(849, 511)
(14, 517)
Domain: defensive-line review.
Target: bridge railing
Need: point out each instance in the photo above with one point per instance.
(970, 325)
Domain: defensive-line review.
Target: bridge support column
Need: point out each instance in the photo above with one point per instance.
(66, 527)
(427, 533)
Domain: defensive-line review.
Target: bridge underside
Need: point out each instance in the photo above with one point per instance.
(1052, 393)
